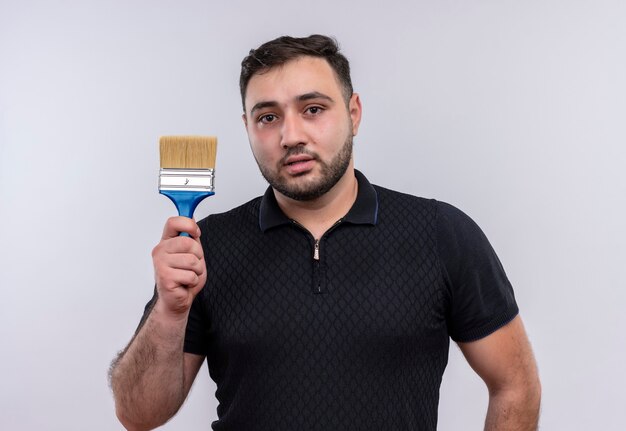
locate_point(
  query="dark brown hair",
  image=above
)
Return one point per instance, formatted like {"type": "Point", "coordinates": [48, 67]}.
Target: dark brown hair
{"type": "Point", "coordinates": [285, 48]}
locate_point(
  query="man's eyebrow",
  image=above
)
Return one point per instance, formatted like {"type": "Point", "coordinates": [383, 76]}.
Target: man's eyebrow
{"type": "Point", "coordinates": [314, 95]}
{"type": "Point", "coordinates": [261, 105]}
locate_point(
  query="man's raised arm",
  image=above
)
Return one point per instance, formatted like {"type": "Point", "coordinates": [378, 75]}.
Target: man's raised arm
{"type": "Point", "coordinates": [152, 376]}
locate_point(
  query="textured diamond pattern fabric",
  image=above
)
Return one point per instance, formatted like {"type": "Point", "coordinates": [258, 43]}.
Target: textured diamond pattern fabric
{"type": "Point", "coordinates": [355, 341]}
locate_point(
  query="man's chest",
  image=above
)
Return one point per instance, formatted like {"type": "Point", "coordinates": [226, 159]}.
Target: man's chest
{"type": "Point", "coordinates": [351, 292]}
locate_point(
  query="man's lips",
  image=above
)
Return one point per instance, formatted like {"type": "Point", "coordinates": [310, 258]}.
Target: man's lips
{"type": "Point", "coordinates": [299, 164]}
{"type": "Point", "coordinates": [300, 158]}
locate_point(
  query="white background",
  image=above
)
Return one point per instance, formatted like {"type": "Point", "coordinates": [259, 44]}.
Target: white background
{"type": "Point", "coordinates": [512, 110]}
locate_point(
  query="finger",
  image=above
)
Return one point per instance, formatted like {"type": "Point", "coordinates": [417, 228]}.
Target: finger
{"type": "Point", "coordinates": [175, 225]}
{"type": "Point", "coordinates": [182, 244]}
{"type": "Point", "coordinates": [172, 278]}
{"type": "Point", "coordinates": [189, 262]}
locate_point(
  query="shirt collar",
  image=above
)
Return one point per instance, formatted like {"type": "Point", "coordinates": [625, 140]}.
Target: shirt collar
{"type": "Point", "coordinates": [363, 211]}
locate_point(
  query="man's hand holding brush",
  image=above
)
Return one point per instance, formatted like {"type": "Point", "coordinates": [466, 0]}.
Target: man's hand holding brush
{"type": "Point", "coordinates": [179, 268]}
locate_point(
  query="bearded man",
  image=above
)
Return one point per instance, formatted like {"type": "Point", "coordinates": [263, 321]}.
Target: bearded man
{"type": "Point", "coordinates": [329, 302]}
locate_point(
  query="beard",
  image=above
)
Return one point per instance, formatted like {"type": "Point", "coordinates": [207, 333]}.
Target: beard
{"type": "Point", "coordinates": [330, 173]}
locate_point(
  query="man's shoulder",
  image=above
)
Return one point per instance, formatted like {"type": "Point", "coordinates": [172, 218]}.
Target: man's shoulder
{"type": "Point", "coordinates": [240, 215]}
{"type": "Point", "coordinates": [395, 198]}
{"type": "Point", "coordinates": [405, 204]}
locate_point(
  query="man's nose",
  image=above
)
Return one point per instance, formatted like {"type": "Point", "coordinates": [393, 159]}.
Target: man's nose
{"type": "Point", "coordinates": [293, 133]}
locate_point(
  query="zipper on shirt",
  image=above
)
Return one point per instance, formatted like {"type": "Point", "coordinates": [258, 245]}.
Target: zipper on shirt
{"type": "Point", "coordinates": [317, 276]}
{"type": "Point", "coordinates": [316, 246]}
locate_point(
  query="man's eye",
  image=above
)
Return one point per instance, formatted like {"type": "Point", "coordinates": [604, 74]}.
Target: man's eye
{"type": "Point", "coordinates": [268, 118]}
{"type": "Point", "coordinates": [314, 110]}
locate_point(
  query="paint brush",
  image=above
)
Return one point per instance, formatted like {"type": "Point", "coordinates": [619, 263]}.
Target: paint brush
{"type": "Point", "coordinates": [187, 171]}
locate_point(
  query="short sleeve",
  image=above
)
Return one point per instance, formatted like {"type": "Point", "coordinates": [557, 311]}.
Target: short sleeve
{"type": "Point", "coordinates": [481, 296]}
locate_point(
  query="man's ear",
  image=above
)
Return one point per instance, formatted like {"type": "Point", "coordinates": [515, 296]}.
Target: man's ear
{"type": "Point", "coordinates": [355, 112]}
{"type": "Point", "coordinates": [245, 119]}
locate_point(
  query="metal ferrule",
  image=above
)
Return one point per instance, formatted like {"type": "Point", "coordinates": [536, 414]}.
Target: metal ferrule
{"type": "Point", "coordinates": [193, 180]}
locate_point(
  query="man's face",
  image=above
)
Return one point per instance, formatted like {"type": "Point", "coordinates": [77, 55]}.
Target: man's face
{"type": "Point", "coordinates": [299, 127]}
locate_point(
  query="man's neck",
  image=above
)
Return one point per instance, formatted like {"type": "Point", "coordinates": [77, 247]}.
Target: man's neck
{"type": "Point", "coordinates": [319, 215]}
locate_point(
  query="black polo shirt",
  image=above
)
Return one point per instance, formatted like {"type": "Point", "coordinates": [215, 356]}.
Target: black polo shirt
{"type": "Point", "coordinates": [348, 333]}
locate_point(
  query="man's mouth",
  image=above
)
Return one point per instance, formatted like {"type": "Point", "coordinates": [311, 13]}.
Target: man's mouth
{"type": "Point", "coordinates": [300, 158]}
{"type": "Point", "coordinates": [299, 164]}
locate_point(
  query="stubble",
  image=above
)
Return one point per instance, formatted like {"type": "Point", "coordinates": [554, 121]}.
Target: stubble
{"type": "Point", "coordinates": [331, 173]}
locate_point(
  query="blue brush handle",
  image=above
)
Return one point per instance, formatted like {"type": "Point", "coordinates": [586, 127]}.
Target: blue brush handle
{"type": "Point", "coordinates": [186, 201]}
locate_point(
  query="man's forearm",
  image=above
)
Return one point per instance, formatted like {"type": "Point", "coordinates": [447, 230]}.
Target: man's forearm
{"type": "Point", "coordinates": [514, 410]}
{"type": "Point", "coordinates": [147, 378]}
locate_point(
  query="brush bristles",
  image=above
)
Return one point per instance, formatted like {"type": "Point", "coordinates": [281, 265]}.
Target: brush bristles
{"type": "Point", "coordinates": [190, 152]}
